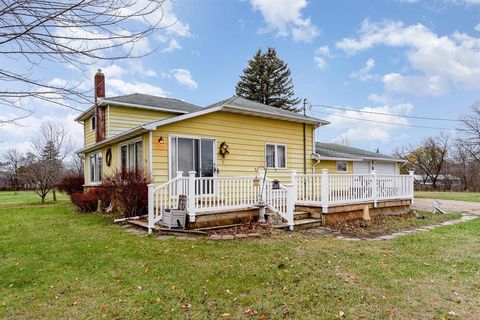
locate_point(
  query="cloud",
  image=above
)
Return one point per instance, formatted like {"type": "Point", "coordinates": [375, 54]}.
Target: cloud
{"type": "Point", "coordinates": [356, 129]}
{"type": "Point", "coordinates": [20, 136]}
{"type": "Point", "coordinates": [286, 19]}
{"type": "Point", "coordinates": [184, 77]}
{"type": "Point", "coordinates": [477, 27]}
{"type": "Point", "coordinates": [364, 73]}
{"type": "Point", "coordinates": [173, 45]}
{"type": "Point", "coordinates": [438, 62]}
{"type": "Point", "coordinates": [320, 57]}
{"type": "Point", "coordinates": [120, 87]}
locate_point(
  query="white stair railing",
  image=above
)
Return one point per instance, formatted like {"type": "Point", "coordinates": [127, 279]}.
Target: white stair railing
{"type": "Point", "coordinates": [281, 200]}
{"type": "Point", "coordinates": [164, 197]}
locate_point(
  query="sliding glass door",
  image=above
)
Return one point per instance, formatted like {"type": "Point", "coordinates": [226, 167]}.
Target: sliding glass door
{"type": "Point", "coordinates": [192, 154]}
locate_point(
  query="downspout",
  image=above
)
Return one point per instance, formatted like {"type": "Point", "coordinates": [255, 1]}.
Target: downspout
{"type": "Point", "coordinates": [317, 156]}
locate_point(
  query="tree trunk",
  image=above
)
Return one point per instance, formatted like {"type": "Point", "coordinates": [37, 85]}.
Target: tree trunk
{"type": "Point", "coordinates": [54, 195]}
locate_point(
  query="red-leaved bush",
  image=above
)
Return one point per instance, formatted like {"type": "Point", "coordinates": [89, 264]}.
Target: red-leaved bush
{"type": "Point", "coordinates": [85, 201]}
{"type": "Point", "coordinates": [128, 192]}
{"type": "Point", "coordinates": [72, 183]}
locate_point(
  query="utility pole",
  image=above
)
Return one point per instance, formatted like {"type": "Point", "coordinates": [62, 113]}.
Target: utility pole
{"type": "Point", "coordinates": [305, 101]}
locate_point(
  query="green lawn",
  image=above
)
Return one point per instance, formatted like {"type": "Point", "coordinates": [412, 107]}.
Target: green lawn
{"type": "Point", "coordinates": [55, 263]}
{"type": "Point", "coordinates": [461, 196]}
{"type": "Point", "coordinates": [9, 198]}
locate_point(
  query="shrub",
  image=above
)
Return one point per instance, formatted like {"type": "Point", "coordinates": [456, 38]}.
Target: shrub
{"type": "Point", "coordinates": [85, 201]}
{"type": "Point", "coordinates": [71, 184]}
{"type": "Point", "coordinates": [128, 192]}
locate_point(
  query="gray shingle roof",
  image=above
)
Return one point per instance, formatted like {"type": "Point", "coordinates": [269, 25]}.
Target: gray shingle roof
{"type": "Point", "coordinates": [248, 105]}
{"type": "Point", "coordinates": [334, 150]}
{"type": "Point", "coordinates": [156, 102]}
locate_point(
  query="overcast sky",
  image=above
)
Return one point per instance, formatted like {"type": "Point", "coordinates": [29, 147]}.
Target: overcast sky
{"type": "Point", "coordinates": [408, 57]}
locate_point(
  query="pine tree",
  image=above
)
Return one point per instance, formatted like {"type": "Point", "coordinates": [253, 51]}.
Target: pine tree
{"type": "Point", "coordinates": [267, 80]}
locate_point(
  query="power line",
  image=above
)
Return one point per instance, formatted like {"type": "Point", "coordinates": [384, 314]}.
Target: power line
{"type": "Point", "coordinates": [386, 114]}
{"type": "Point", "coordinates": [390, 123]}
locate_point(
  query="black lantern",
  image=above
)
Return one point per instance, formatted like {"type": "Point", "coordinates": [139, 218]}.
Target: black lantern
{"type": "Point", "coordinates": [275, 184]}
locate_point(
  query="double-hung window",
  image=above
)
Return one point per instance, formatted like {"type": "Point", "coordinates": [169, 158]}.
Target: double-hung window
{"type": "Point", "coordinates": [131, 156]}
{"type": "Point", "coordinates": [276, 155]}
{"type": "Point", "coordinates": [96, 167]}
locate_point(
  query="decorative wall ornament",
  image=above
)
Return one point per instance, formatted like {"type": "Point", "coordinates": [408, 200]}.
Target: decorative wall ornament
{"type": "Point", "coordinates": [224, 149]}
{"type": "Point", "coordinates": [108, 157]}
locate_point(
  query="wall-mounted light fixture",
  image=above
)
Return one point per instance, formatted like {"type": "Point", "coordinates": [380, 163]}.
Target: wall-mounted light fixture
{"type": "Point", "coordinates": [161, 141]}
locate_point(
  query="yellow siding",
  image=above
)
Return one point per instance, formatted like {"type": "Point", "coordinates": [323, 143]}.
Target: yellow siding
{"type": "Point", "coordinates": [331, 165]}
{"type": "Point", "coordinates": [246, 137]}
{"type": "Point", "coordinates": [122, 118]}
{"type": "Point", "coordinates": [89, 135]}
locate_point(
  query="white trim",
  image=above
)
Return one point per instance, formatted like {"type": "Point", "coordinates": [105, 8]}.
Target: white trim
{"type": "Point", "coordinates": [276, 167]}
{"type": "Point", "coordinates": [96, 174]}
{"type": "Point", "coordinates": [341, 171]}
{"type": "Point", "coordinates": [267, 114]}
{"type": "Point", "coordinates": [139, 106]}
{"type": "Point", "coordinates": [150, 154]}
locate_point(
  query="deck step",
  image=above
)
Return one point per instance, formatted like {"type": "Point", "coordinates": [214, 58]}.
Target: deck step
{"type": "Point", "coordinates": [301, 224]}
{"type": "Point", "coordinates": [300, 215]}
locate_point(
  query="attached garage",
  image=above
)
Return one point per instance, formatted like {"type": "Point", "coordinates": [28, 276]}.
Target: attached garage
{"type": "Point", "coordinates": [385, 167]}
{"type": "Point", "coordinates": [361, 167]}
{"type": "Point", "coordinates": [361, 161]}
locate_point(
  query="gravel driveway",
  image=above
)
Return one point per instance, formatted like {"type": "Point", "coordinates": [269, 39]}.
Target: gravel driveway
{"type": "Point", "coordinates": [448, 205]}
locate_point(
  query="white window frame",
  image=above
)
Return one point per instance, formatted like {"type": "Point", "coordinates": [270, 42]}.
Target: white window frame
{"type": "Point", "coordinates": [342, 171]}
{"type": "Point", "coordinates": [127, 143]}
{"type": "Point", "coordinates": [92, 121]}
{"type": "Point", "coordinates": [97, 175]}
{"type": "Point", "coordinates": [276, 155]}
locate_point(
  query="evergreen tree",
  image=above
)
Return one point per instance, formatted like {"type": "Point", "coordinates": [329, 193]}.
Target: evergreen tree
{"type": "Point", "coordinates": [267, 80]}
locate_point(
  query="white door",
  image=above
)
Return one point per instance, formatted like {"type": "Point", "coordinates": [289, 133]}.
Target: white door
{"type": "Point", "coordinates": [361, 167]}
{"type": "Point", "coordinates": [385, 167]}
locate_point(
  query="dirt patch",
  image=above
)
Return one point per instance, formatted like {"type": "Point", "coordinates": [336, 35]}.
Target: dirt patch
{"type": "Point", "coordinates": [381, 225]}
{"type": "Point", "coordinates": [246, 228]}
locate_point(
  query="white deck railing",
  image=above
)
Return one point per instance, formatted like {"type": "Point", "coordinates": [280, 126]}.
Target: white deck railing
{"type": "Point", "coordinates": [210, 194]}
{"type": "Point", "coordinates": [333, 189]}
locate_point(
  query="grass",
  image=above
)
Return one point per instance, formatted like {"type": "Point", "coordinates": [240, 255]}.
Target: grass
{"type": "Point", "coordinates": [460, 196]}
{"type": "Point", "coordinates": [9, 198]}
{"type": "Point", "coordinates": [57, 264]}
{"type": "Point", "coordinates": [381, 225]}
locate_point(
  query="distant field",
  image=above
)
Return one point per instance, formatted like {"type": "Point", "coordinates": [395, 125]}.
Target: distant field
{"type": "Point", "coordinates": [26, 197]}
{"type": "Point", "coordinates": [460, 196]}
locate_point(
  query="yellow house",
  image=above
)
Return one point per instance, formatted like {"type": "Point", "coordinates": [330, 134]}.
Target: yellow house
{"type": "Point", "coordinates": [233, 156]}
{"type": "Point", "coordinates": [230, 138]}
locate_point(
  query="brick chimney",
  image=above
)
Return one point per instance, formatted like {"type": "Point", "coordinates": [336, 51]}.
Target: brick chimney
{"type": "Point", "coordinates": [99, 88]}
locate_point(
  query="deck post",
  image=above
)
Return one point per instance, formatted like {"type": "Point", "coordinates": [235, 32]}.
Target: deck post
{"type": "Point", "coordinates": [178, 183]}
{"type": "Point", "coordinates": [294, 184]}
{"type": "Point", "coordinates": [324, 191]}
{"type": "Point", "coordinates": [290, 205]}
{"type": "Point", "coordinates": [151, 224]}
{"type": "Point", "coordinates": [412, 185]}
{"type": "Point", "coordinates": [191, 196]}
{"type": "Point", "coordinates": [374, 188]}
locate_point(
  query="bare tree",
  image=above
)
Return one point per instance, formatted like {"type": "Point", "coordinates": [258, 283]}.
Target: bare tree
{"type": "Point", "coordinates": [429, 158]}
{"type": "Point", "coordinates": [38, 33]}
{"type": "Point", "coordinates": [470, 133]}
{"type": "Point", "coordinates": [14, 160]}
{"type": "Point", "coordinates": [52, 147]}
